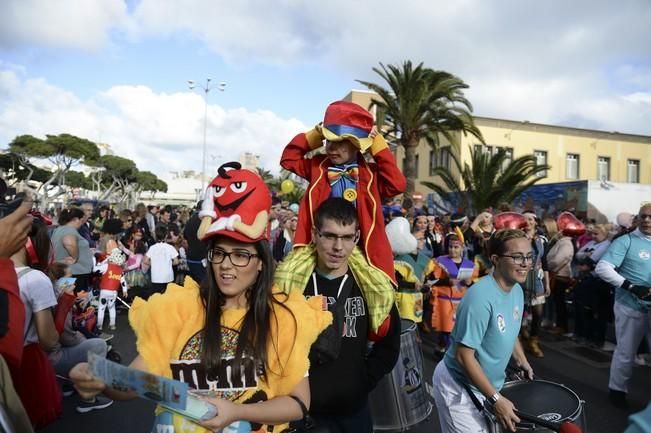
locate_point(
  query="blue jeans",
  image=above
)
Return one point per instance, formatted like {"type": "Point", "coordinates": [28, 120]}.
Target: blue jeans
{"type": "Point", "coordinates": [73, 355]}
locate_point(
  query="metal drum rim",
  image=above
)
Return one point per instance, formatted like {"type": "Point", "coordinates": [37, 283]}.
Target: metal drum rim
{"type": "Point", "coordinates": [580, 402]}
{"type": "Point", "coordinates": [410, 328]}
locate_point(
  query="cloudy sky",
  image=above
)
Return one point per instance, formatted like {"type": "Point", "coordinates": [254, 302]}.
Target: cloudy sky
{"type": "Point", "coordinates": [116, 71]}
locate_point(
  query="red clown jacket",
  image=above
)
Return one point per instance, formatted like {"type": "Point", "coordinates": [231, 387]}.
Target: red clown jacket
{"type": "Point", "coordinates": [376, 180]}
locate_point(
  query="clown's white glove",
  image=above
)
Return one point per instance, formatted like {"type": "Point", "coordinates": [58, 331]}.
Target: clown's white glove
{"type": "Point", "coordinates": [231, 222]}
{"type": "Point", "coordinates": [208, 205]}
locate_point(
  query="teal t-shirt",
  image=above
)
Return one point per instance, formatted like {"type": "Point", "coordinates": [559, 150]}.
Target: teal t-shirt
{"type": "Point", "coordinates": [631, 256]}
{"type": "Point", "coordinates": [488, 321]}
{"type": "Point", "coordinates": [640, 422]}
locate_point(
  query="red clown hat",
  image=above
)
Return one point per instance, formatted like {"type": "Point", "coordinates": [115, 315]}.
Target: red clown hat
{"type": "Point", "coordinates": [345, 120]}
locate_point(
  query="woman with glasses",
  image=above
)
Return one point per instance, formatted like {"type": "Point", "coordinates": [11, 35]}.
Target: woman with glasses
{"type": "Point", "coordinates": [484, 338]}
{"type": "Point", "coordinates": [232, 338]}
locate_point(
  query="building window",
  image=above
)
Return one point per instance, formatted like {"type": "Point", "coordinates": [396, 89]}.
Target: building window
{"type": "Point", "coordinates": [603, 168]}
{"type": "Point", "coordinates": [438, 158]}
{"type": "Point", "coordinates": [541, 159]}
{"type": "Point", "coordinates": [572, 166]}
{"type": "Point", "coordinates": [509, 156]}
{"type": "Point", "coordinates": [633, 171]}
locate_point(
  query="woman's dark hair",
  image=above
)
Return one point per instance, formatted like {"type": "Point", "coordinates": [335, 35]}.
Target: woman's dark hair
{"type": "Point", "coordinates": [112, 226]}
{"type": "Point", "coordinates": [68, 215]}
{"type": "Point", "coordinates": [40, 258]}
{"type": "Point", "coordinates": [139, 247]}
{"type": "Point", "coordinates": [253, 340]}
{"type": "Point", "coordinates": [57, 270]}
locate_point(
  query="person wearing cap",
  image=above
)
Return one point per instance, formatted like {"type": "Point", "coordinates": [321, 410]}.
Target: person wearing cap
{"type": "Point", "coordinates": [626, 265]}
{"type": "Point", "coordinates": [453, 274]}
{"type": "Point", "coordinates": [342, 171]}
{"type": "Point", "coordinates": [234, 339]}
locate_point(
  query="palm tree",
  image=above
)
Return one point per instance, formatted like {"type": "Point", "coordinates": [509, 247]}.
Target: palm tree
{"type": "Point", "coordinates": [489, 180]}
{"type": "Point", "coordinates": [420, 104]}
{"type": "Point", "coordinates": [268, 178]}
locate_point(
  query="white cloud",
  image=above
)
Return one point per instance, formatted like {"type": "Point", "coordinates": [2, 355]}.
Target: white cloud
{"type": "Point", "coordinates": [549, 62]}
{"type": "Point", "coordinates": [159, 132]}
{"type": "Point", "coordinates": [61, 23]}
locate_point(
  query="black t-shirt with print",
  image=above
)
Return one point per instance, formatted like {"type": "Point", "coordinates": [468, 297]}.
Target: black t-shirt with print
{"type": "Point", "coordinates": [341, 387]}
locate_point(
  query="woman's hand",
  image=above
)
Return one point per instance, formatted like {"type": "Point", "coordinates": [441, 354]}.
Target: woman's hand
{"type": "Point", "coordinates": [85, 383]}
{"type": "Point", "coordinates": [227, 413]}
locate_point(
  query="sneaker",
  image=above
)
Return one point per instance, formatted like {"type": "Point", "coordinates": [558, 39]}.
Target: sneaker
{"type": "Point", "coordinates": [618, 399]}
{"type": "Point", "coordinates": [98, 403]}
{"type": "Point", "coordinates": [112, 327]}
{"type": "Point", "coordinates": [67, 389]}
{"type": "Point", "coordinates": [642, 360]}
{"type": "Point", "coordinates": [608, 347]}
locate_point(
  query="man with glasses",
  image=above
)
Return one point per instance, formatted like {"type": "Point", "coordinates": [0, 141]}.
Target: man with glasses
{"type": "Point", "coordinates": [484, 338]}
{"type": "Point", "coordinates": [627, 266]}
{"type": "Point", "coordinates": [342, 371]}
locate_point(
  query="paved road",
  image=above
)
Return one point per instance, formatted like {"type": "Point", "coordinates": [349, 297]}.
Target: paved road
{"type": "Point", "coordinates": [582, 370]}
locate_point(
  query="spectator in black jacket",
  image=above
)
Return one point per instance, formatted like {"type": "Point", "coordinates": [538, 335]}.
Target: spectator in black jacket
{"type": "Point", "coordinates": [196, 253]}
{"type": "Point", "coordinates": [340, 386]}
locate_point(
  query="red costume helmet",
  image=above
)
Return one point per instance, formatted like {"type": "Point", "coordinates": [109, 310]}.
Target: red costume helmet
{"type": "Point", "coordinates": [509, 220]}
{"type": "Point", "coordinates": [570, 225]}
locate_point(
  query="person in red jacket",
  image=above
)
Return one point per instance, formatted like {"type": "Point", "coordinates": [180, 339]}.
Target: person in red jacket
{"type": "Point", "coordinates": [343, 171]}
{"type": "Point", "coordinates": [14, 229]}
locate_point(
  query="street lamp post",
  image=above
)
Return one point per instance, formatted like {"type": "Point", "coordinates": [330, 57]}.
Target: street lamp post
{"type": "Point", "coordinates": [207, 88]}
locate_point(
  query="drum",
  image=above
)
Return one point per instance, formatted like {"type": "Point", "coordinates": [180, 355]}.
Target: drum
{"type": "Point", "coordinates": [547, 400]}
{"type": "Point", "coordinates": [400, 401]}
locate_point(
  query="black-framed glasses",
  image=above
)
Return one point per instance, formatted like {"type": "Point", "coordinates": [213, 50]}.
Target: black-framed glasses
{"type": "Point", "coordinates": [237, 258]}
{"type": "Point", "coordinates": [331, 237]}
{"type": "Point", "coordinates": [519, 259]}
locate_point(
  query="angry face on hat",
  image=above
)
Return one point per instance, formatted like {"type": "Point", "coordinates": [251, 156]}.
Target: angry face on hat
{"type": "Point", "coordinates": [236, 200]}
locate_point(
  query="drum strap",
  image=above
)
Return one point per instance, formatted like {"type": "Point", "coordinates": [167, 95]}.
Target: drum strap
{"type": "Point", "coordinates": [474, 398]}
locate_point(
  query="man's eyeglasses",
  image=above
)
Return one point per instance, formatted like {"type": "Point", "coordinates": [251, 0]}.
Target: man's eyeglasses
{"type": "Point", "coordinates": [237, 258]}
{"type": "Point", "coordinates": [331, 237]}
{"type": "Point", "coordinates": [644, 216]}
{"type": "Point", "coordinates": [519, 259]}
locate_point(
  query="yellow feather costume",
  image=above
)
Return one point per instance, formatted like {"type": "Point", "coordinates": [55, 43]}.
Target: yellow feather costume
{"type": "Point", "coordinates": [168, 329]}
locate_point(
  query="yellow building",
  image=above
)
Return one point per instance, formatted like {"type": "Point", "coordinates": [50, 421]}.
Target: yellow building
{"type": "Point", "coordinates": [572, 153]}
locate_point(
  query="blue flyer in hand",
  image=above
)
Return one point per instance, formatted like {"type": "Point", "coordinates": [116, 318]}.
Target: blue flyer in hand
{"type": "Point", "coordinates": [169, 392]}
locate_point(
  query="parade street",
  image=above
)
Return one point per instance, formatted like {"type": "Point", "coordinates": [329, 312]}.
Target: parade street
{"type": "Point", "coordinates": [583, 370]}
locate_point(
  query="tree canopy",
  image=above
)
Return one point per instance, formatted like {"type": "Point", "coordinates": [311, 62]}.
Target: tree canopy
{"type": "Point", "coordinates": [109, 173]}
{"type": "Point", "coordinates": [489, 179]}
{"type": "Point", "coordinates": [417, 104]}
